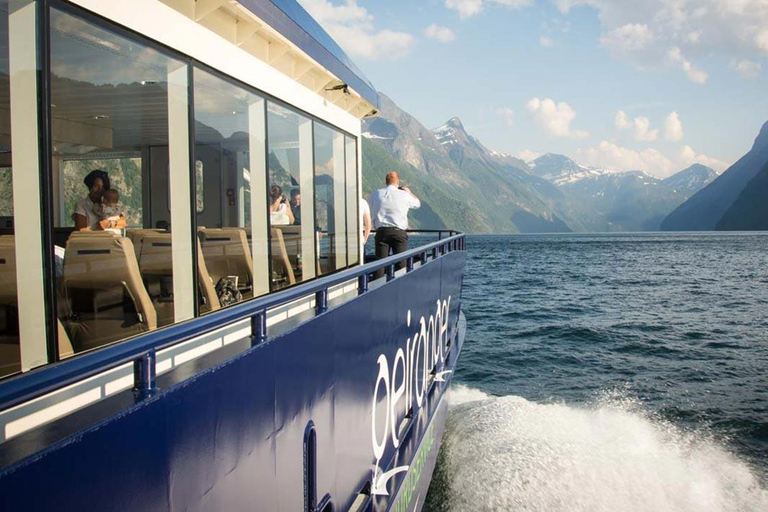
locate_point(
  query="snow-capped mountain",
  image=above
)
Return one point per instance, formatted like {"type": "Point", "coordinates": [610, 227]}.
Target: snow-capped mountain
{"type": "Point", "coordinates": [467, 186]}
{"type": "Point", "coordinates": [560, 169]}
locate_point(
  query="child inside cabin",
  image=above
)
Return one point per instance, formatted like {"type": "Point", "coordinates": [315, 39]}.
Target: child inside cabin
{"type": "Point", "coordinates": [110, 209]}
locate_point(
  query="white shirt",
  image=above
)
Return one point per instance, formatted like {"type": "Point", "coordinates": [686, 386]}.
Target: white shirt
{"type": "Point", "coordinates": [389, 207]}
{"type": "Point", "coordinates": [364, 210]}
{"type": "Point", "coordinates": [84, 207]}
{"type": "Point", "coordinates": [280, 217]}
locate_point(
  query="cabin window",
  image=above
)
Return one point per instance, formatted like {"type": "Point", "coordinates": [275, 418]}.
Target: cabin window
{"type": "Point", "coordinates": [354, 221]}
{"type": "Point", "coordinates": [289, 194]}
{"type": "Point", "coordinates": [229, 137]}
{"type": "Point", "coordinates": [330, 193]}
{"type": "Point", "coordinates": [118, 107]}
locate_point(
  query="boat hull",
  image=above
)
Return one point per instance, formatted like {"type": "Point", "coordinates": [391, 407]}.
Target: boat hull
{"type": "Point", "coordinates": [231, 433]}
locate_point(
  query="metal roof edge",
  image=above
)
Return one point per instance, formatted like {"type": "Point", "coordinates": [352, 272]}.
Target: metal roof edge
{"type": "Point", "coordinates": [292, 21]}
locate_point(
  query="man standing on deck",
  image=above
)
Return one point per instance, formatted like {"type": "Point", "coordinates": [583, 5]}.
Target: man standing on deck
{"type": "Point", "coordinates": [389, 212]}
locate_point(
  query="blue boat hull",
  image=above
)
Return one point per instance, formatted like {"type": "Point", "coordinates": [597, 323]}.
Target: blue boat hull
{"type": "Point", "coordinates": [368, 377]}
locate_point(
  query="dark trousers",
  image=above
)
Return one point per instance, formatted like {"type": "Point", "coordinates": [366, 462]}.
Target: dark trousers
{"type": "Point", "coordinates": [390, 238]}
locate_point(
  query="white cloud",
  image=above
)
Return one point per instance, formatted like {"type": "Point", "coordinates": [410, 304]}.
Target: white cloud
{"type": "Point", "coordinates": [747, 68]}
{"type": "Point", "coordinates": [641, 126]}
{"type": "Point", "coordinates": [554, 118]}
{"type": "Point", "coordinates": [465, 8]}
{"type": "Point", "coordinates": [611, 156]}
{"type": "Point", "coordinates": [469, 8]}
{"type": "Point", "coordinates": [527, 155]}
{"type": "Point", "coordinates": [687, 157]}
{"type": "Point", "coordinates": [628, 38]}
{"type": "Point", "coordinates": [508, 115]}
{"type": "Point", "coordinates": [673, 127]}
{"type": "Point", "coordinates": [622, 121]}
{"type": "Point", "coordinates": [643, 130]}
{"type": "Point", "coordinates": [438, 33]}
{"type": "Point", "coordinates": [353, 28]}
{"type": "Point", "coordinates": [676, 57]}
{"type": "Point", "coordinates": [682, 33]}
{"type": "Point", "coordinates": [546, 42]}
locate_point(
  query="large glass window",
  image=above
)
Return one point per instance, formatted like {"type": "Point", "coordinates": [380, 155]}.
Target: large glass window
{"type": "Point", "coordinates": [120, 158]}
{"type": "Point", "coordinates": [330, 208]}
{"type": "Point", "coordinates": [292, 232]}
{"type": "Point", "coordinates": [229, 145]}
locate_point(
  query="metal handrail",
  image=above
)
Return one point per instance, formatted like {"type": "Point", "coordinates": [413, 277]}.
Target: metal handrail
{"type": "Point", "coordinates": [141, 351]}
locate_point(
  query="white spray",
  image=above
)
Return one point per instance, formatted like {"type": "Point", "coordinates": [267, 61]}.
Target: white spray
{"type": "Point", "coordinates": [511, 454]}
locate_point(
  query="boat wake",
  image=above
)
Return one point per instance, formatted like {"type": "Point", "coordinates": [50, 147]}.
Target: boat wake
{"type": "Point", "coordinates": [507, 453]}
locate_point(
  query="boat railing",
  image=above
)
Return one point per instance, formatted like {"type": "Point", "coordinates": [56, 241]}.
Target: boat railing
{"type": "Point", "coordinates": [142, 350]}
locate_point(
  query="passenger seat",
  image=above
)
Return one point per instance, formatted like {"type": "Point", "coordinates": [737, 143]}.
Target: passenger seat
{"type": "Point", "coordinates": [104, 291]}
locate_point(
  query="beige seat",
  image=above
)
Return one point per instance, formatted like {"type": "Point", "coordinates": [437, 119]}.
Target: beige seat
{"type": "Point", "coordinates": [103, 288]}
{"type": "Point", "coordinates": [283, 263]}
{"type": "Point", "coordinates": [210, 301]}
{"type": "Point", "coordinates": [10, 357]}
{"type": "Point", "coordinates": [226, 253]}
{"type": "Point", "coordinates": [10, 352]}
{"type": "Point", "coordinates": [137, 235]}
{"type": "Point", "coordinates": [156, 267]}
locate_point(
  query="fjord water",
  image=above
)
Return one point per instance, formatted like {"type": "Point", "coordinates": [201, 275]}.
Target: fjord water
{"type": "Point", "coordinates": [610, 372]}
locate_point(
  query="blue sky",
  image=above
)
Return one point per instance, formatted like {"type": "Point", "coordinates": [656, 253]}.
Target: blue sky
{"type": "Point", "coordinates": [653, 85]}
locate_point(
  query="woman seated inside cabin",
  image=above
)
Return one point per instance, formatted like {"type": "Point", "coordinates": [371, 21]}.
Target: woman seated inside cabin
{"type": "Point", "coordinates": [88, 210]}
{"type": "Point", "coordinates": [279, 212]}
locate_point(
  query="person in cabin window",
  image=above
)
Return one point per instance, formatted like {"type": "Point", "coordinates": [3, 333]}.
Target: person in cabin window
{"type": "Point", "coordinates": [296, 205]}
{"type": "Point", "coordinates": [110, 209]}
{"type": "Point", "coordinates": [365, 219]}
{"type": "Point", "coordinates": [84, 216]}
{"type": "Point", "coordinates": [279, 212]}
{"type": "Point", "coordinates": [389, 212]}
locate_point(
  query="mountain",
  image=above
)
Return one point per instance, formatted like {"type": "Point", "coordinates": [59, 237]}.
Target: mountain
{"type": "Point", "coordinates": [463, 184]}
{"type": "Point", "coordinates": [705, 208]}
{"type": "Point", "coordinates": [749, 212]}
{"type": "Point", "coordinates": [605, 200]}
{"type": "Point", "coordinates": [559, 169]}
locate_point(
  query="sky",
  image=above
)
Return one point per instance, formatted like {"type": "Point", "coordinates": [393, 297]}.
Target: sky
{"type": "Point", "coordinates": [651, 85]}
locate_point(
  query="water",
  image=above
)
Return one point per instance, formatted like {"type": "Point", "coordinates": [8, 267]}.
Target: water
{"type": "Point", "coordinates": [610, 372]}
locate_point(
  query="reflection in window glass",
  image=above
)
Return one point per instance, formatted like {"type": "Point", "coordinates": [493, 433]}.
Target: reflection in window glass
{"type": "Point", "coordinates": [291, 208]}
{"type": "Point", "coordinates": [111, 103]}
{"type": "Point", "coordinates": [199, 181]}
{"type": "Point", "coordinates": [354, 221]}
{"type": "Point", "coordinates": [225, 117]}
{"type": "Point", "coordinates": [124, 175]}
{"type": "Point", "coordinates": [330, 210]}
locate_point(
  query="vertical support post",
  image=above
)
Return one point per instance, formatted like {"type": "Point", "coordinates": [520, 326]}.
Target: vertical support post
{"type": "Point", "coordinates": [321, 301]}
{"type": "Point", "coordinates": [259, 328]}
{"type": "Point", "coordinates": [362, 284]}
{"type": "Point", "coordinates": [390, 272]}
{"type": "Point", "coordinates": [181, 199]}
{"type": "Point", "coordinates": [434, 253]}
{"type": "Point", "coordinates": [423, 258]}
{"type": "Point", "coordinates": [145, 375]}
{"type": "Point", "coordinates": [409, 264]}
{"type": "Point", "coordinates": [27, 219]}
{"type": "Point", "coordinates": [257, 146]}
{"type": "Point", "coordinates": [339, 206]}
{"type": "Point", "coordinates": [306, 184]}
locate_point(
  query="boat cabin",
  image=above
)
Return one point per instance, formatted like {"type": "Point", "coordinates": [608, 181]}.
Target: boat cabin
{"type": "Point", "coordinates": [233, 148]}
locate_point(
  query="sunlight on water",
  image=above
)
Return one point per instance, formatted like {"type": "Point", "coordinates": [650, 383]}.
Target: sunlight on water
{"type": "Point", "coordinates": [506, 453]}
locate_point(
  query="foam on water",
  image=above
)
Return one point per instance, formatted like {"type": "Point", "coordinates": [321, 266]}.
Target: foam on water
{"type": "Point", "coordinates": [507, 453]}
